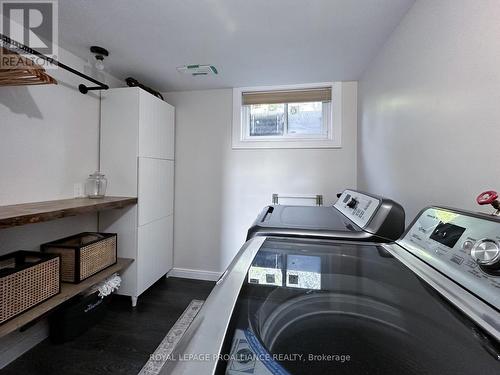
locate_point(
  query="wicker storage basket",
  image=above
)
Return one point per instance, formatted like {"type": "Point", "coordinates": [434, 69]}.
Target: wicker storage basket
{"type": "Point", "coordinates": [84, 254]}
{"type": "Point", "coordinates": [27, 278]}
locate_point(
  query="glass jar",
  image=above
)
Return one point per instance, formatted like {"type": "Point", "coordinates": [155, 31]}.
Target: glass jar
{"type": "Point", "coordinates": [96, 185]}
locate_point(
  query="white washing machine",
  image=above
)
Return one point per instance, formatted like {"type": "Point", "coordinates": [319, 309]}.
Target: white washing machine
{"type": "Point", "coordinates": [427, 304]}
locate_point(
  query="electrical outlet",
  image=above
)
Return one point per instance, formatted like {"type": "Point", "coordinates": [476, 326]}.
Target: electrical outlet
{"type": "Point", "coordinates": [78, 190]}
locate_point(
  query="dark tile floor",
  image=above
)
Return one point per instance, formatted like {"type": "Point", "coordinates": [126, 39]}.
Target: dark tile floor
{"type": "Point", "coordinates": [122, 342]}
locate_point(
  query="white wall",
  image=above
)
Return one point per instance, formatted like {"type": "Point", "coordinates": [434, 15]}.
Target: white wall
{"type": "Point", "coordinates": [429, 104]}
{"type": "Point", "coordinates": [48, 142]}
{"type": "Point", "coordinates": [219, 191]}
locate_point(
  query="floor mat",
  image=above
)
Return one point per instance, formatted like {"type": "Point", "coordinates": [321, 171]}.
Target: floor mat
{"type": "Point", "coordinates": [159, 357]}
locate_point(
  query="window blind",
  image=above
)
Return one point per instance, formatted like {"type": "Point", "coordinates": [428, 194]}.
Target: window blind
{"type": "Point", "coordinates": [323, 94]}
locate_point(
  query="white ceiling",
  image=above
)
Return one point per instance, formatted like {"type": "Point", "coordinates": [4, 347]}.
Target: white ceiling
{"type": "Point", "coordinates": [251, 42]}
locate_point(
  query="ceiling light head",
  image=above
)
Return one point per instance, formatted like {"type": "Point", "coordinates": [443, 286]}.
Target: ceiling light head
{"type": "Point", "coordinates": [99, 54]}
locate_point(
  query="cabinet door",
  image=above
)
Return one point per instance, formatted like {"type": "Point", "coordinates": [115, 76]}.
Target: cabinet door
{"type": "Point", "coordinates": [169, 115]}
{"type": "Point", "coordinates": [156, 189]}
{"type": "Point", "coordinates": [156, 128]}
{"type": "Point", "coordinates": [154, 252]}
{"type": "Point", "coordinates": [119, 145]}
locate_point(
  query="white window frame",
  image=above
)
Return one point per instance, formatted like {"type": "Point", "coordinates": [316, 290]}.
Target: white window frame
{"type": "Point", "coordinates": [333, 119]}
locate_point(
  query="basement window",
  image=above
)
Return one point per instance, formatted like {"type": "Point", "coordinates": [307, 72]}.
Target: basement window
{"type": "Point", "coordinates": [286, 117]}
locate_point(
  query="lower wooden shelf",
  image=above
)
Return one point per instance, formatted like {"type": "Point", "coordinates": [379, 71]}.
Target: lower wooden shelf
{"type": "Point", "coordinates": [67, 291]}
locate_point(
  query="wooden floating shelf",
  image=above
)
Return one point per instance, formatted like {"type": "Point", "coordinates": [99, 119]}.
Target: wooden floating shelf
{"type": "Point", "coordinates": [30, 213]}
{"type": "Point", "coordinates": [67, 291]}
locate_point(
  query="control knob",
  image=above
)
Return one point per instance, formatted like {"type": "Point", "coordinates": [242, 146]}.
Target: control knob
{"type": "Point", "coordinates": [352, 203]}
{"type": "Point", "coordinates": [486, 253]}
{"type": "Point", "coordinates": [489, 197]}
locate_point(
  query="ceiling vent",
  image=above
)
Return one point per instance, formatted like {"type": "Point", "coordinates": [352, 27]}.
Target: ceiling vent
{"type": "Point", "coordinates": [198, 70]}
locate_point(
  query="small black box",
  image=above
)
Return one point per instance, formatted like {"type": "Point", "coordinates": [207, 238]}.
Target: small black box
{"type": "Point", "coordinates": [76, 317]}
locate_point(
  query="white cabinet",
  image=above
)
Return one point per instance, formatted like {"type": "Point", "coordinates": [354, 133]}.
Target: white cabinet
{"type": "Point", "coordinates": [137, 156]}
{"type": "Point", "coordinates": [156, 136]}
{"type": "Point", "coordinates": [156, 189]}
{"type": "Point", "coordinates": [155, 262]}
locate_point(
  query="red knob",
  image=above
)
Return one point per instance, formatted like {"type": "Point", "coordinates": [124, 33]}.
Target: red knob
{"type": "Point", "coordinates": [487, 197]}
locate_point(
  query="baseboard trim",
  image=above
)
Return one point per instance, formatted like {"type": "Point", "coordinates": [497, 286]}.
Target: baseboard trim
{"type": "Point", "coordinates": [187, 273]}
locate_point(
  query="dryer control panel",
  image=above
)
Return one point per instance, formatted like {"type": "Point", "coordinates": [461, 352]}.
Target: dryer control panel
{"type": "Point", "coordinates": [463, 246]}
{"type": "Point", "coordinates": [358, 207]}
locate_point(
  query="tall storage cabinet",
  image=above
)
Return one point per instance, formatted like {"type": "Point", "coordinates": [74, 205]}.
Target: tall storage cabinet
{"type": "Point", "coordinates": [137, 156]}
